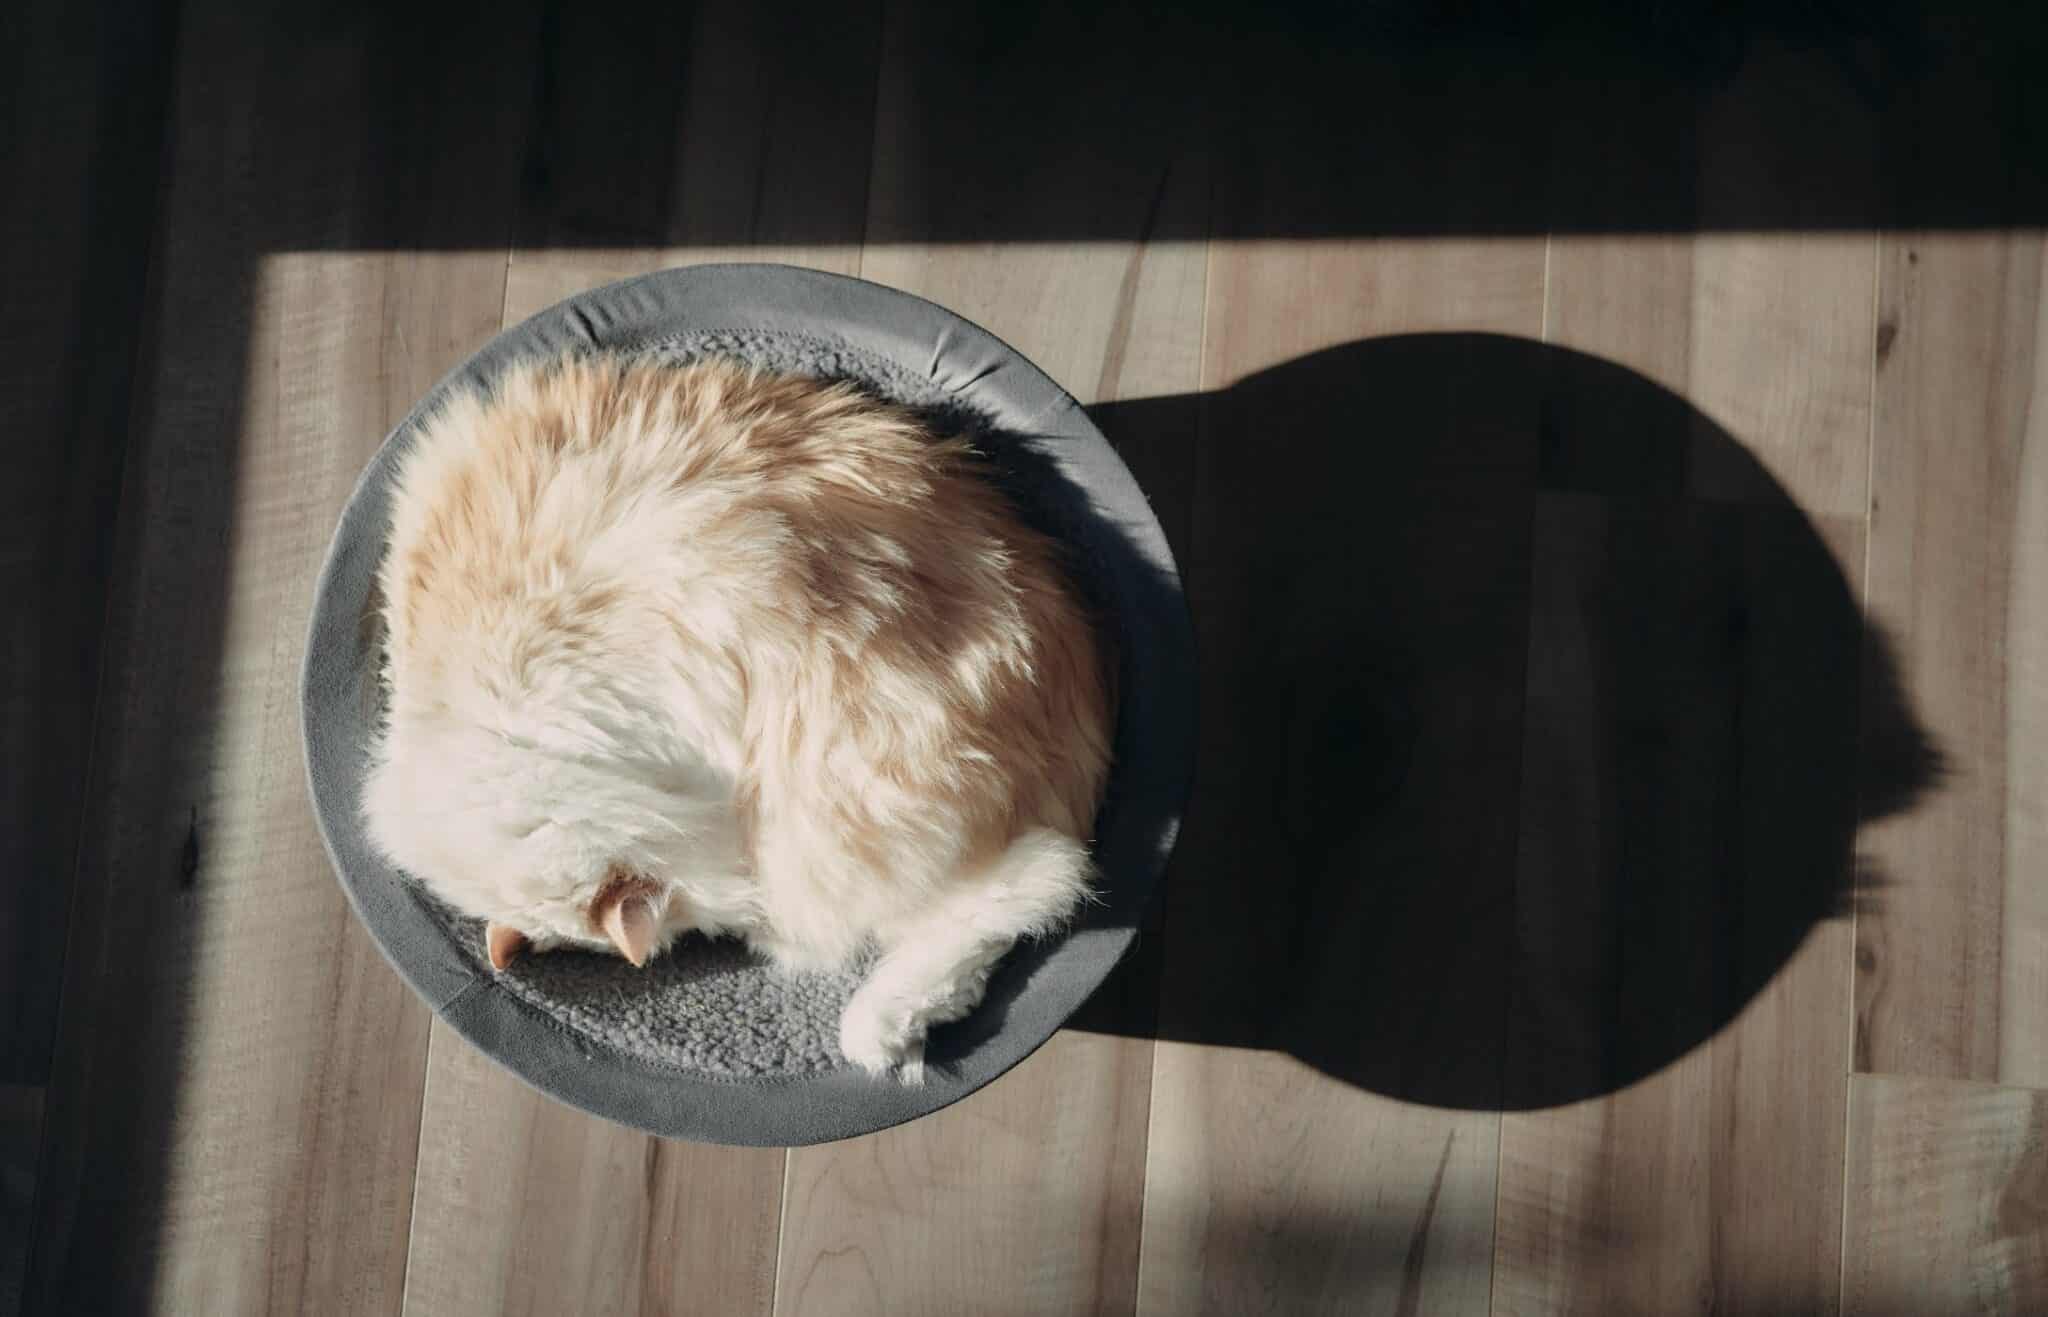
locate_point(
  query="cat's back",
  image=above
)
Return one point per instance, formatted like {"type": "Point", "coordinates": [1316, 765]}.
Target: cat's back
{"type": "Point", "coordinates": [763, 558]}
{"type": "Point", "coordinates": [592, 482]}
{"type": "Point", "coordinates": [561, 494]}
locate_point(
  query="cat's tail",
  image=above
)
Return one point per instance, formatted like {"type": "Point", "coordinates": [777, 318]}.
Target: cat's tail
{"type": "Point", "coordinates": [935, 967]}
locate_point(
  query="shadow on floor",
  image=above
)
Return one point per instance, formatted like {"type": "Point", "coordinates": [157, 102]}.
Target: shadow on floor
{"type": "Point", "coordinates": [1532, 729]}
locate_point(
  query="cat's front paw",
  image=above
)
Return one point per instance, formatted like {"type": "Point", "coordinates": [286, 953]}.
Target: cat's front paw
{"type": "Point", "coordinates": [881, 1035]}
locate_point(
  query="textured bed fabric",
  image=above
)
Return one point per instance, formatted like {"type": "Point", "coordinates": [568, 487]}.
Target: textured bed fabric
{"type": "Point", "coordinates": [706, 1044]}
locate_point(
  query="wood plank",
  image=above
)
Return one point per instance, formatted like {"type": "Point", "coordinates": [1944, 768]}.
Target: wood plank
{"type": "Point", "coordinates": [777, 135]}
{"type": "Point", "coordinates": [524, 1204]}
{"type": "Point", "coordinates": [1323, 1136]}
{"type": "Point", "coordinates": [1684, 866]}
{"type": "Point", "coordinates": [21, 1128]}
{"type": "Point", "coordinates": [81, 132]}
{"type": "Point", "coordinates": [1681, 310]}
{"type": "Point", "coordinates": [1951, 956]}
{"type": "Point", "coordinates": [1953, 946]}
{"type": "Point", "coordinates": [1692, 754]}
{"type": "Point", "coordinates": [1946, 1188]}
{"type": "Point", "coordinates": [2023, 962]}
{"type": "Point", "coordinates": [1025, 1197]}
{"type": "Point", "coordinates": [233, 1115]}
{"type": "Point", "coordinates": [80, 146]}
{"type": "Point", "coordinates": [1768, 334]}
{"type": "Point", "coordinates": [766, 143]}
{"type": "Point", "coordinates": [1359, 584]}
{"type": "Point", "coordinates": [1028, 1195]}
{"type": "Point", "coordinates": [1783, 321]}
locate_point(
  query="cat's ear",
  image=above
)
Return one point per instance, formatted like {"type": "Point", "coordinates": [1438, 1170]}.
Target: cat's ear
{"type": "Point", "coordinates": [625, 911]}
{"type": "Point", "coordinates": [503, 944]}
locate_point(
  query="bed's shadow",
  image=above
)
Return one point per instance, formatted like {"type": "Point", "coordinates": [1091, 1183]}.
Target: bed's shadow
{"type": "Point", "coordinates": [1535, 718]}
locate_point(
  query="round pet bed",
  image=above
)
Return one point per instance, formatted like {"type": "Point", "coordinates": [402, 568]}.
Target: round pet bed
{"type": "Point", "coordinates": [707, 1043]}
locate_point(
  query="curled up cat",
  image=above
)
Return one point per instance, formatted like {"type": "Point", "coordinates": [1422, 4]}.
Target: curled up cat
{"type": "Point", "coordinates": [703, 648]}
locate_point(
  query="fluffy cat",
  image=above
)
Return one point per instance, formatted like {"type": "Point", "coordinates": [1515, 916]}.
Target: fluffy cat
{"type": "Point", "coordinates": [677, 648]}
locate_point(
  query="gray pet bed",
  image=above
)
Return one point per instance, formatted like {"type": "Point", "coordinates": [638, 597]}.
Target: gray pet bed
{"type": "Point", "coordinates": [705, 1043]}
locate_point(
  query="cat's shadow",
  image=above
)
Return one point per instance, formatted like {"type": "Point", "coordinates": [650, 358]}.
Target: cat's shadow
{"type": "Point", "coordinates": [1535, 717]}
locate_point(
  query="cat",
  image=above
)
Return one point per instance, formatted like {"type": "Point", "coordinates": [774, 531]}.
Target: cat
{"type": "Point", "coordinates": [707, 648]}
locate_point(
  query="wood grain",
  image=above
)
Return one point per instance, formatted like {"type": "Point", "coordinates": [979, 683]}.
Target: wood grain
{"type": "Point", "coordinates": [763, 144]}
{"type": "Point", "coordinates": [1768, 334]}
{"type": "Point", "coordinates": [1747, 328]}
{"type": "Point", "coordinates": [1683, 959]}
{"type": "Point", "coordinates": [80, 147]}
{"type": "Point", "coordinates": [1023, 1198]}
{"type": "Point", "coordinates": [81, 130]}
{"type": "Point", "coordinates": [21, 1128]}
{"type": "Point", "coordinates": [234, 1110]}
{"type": "Point", "coordinates": [1947, 1198]}
{"type": "Point", "coordinates": [1950, 959]}
{"type": "Point", "coordinates": [1344, 706]}
{"type": "Point", "coordinates": [1324, 851]}
{"type": "Point", "coordinates": [1323, 854]}
{"type": "Point", "coordinates": [2023, 965]}
{"type": "Point", "coordinates": [1685, 848]}
{"type": "Point", "coordinates": [1783, 321]}
{"type": "Point", "coordinates": [1954, 539]}
{"type": "Point", "coordinates": [524, 1204]}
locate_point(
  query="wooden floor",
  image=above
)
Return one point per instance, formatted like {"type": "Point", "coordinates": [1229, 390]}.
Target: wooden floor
{"type": "Point", "coordinates": [1612, 490]}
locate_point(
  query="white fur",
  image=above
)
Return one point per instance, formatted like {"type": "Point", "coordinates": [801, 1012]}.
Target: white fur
{"type": "Point", "coordinates": [760, 645]}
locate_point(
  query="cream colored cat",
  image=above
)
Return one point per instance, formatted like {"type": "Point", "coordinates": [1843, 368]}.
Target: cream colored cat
{"type": "Point", "coordinates": [677, 648]}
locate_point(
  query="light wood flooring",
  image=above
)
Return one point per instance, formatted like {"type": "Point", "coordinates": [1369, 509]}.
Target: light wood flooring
{"type": "Point", "coordinates": [1611, 483]}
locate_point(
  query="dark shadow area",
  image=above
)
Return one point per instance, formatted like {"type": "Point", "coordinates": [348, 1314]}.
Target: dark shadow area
{"type": "Point", "coordinates": [171, 288]}
{"type": "Point", "coordinates": [1072, 119]}
{"type": "Point", "coordinates": [1532, 729]}
{"type": "Point", "coordinates": [1060, 120]}
{"type": "Point", "coordinates": [81, 90]}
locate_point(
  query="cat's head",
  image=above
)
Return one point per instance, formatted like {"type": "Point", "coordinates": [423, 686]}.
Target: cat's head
{"type": "Point", "coordinates": [548, 849]}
